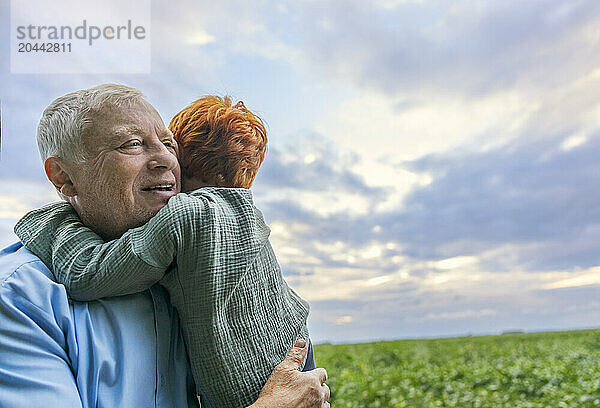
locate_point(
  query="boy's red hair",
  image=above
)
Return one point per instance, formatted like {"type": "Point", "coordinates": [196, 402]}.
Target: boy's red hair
{"type": "Point", "coordinates": [221, 144]}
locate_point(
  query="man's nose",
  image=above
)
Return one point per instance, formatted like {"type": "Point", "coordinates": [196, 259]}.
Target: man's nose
{"type": "Point", "coordinates": [162, 157]}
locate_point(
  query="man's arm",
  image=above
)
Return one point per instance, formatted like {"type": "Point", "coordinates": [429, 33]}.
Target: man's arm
{"type": "Point", "coordinates": [35, 368]}
{"type": "Point", "coordinates": [289, 388]}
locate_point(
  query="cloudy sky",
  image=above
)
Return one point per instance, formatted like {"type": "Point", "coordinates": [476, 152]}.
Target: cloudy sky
{"type": "Point", "coordinates": [433, 166]}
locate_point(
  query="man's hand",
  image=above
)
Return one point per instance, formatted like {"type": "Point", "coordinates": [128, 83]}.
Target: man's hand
{"type": "Point", "coordinates": [289, 388]}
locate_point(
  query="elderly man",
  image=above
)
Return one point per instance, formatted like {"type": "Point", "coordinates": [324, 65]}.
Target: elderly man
{"type": "Point", "coordinates": [117, 352]}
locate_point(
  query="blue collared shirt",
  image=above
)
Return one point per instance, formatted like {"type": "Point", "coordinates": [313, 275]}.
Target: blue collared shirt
{"type": "Point", "coordinates": [124, 351]}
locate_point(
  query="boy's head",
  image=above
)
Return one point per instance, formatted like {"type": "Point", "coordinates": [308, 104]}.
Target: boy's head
{"type": "Point", "coordinates": [219, 144]}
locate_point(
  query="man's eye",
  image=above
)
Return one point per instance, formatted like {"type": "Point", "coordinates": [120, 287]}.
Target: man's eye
{"type": "Point", "coordinates": [131, 143]}
{"type": "Point", "coordinates": [169, 144]}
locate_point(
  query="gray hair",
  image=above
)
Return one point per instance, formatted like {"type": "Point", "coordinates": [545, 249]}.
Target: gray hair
{"type": "Point", "coordinates": [66, 120]}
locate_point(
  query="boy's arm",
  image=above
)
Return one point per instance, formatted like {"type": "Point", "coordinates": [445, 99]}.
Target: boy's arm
{"type": "Point", "coordinates": [87, 266]}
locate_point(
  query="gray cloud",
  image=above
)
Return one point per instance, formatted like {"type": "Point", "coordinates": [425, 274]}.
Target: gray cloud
{"type": "Point", "coordinates": [460, 46]}
{"type": "Point", "coordinates": [522, 192]}
{"type": "Point", "coordinates": [433, 314]}
{"type": "Point", "coordinates": [327, 169]}
{"type": "Point", "coordinates": [529, 193]}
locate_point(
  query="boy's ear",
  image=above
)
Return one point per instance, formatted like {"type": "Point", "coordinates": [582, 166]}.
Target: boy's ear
{"type": "Point", "coordinates": [59, 176]}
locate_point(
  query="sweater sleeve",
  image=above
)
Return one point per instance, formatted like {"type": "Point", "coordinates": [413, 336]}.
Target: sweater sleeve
{"type": "Point", "coordinates": [91, 268]}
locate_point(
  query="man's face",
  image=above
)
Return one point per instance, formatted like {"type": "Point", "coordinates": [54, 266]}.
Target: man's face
{"type": "Point", "coordinates": [132, 171]}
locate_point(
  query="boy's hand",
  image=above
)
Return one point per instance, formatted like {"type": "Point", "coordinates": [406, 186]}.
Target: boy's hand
{"type": "Point", "coordinates": [289, 388]}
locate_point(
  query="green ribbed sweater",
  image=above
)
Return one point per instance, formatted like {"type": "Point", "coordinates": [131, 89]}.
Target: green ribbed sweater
{"type": "Point", "coordinates": [239, 316]}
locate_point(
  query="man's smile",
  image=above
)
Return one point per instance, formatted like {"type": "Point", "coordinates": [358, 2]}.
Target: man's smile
{"type": "Point", "coordinates": [161, 190]}
{"type": "Point", "coordinates": [160, 187]}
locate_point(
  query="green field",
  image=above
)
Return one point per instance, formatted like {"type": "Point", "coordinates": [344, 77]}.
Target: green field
{"type": "Point", "coordinates": [556, 369]}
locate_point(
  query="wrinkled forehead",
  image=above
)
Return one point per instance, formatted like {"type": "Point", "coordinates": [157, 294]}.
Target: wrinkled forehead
{"type": "Point", "coordinates": [112, 122]}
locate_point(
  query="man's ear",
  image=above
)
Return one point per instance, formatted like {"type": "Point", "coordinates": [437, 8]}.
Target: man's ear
{"type": "Point", "coordinates": [58, 175]}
